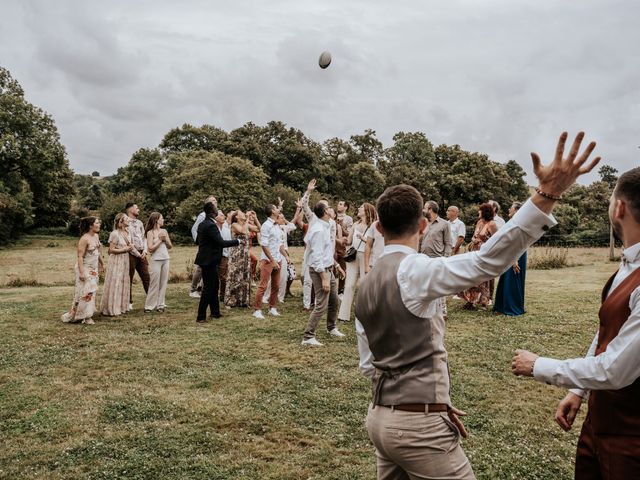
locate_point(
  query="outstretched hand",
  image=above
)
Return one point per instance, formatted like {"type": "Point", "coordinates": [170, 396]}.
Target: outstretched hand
{"type": "Point", "coordinates": [311, 186]}
{"type": "Point", "coordinates": [562, 172]}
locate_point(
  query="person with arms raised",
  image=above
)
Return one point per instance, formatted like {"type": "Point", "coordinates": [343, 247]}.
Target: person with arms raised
{"type": "Point", "coordinates": [402, 345]}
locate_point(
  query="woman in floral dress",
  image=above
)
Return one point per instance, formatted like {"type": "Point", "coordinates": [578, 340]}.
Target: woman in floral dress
{"type": "Point", "coordinates": [238, 290]}
{"type": "Point", "coordinates": [115, 299]}
{"type": "Point", "coordinates": [480, 296]}
{"type": "Point", "coordinates": [88, 262]}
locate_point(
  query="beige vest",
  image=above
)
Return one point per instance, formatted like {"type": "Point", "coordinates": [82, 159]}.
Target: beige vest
{"type": "Point", "coordinates": [408, 351]}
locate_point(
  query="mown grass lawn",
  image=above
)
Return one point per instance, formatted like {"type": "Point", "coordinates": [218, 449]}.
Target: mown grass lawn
{"type": "Point", "coordinates": [159, 397]}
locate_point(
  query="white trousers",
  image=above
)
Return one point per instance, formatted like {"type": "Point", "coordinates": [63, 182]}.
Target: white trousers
{"type": "Point", "coordinates": [158, 279]}
{"type": "Point", "coordinates": [355, 270]}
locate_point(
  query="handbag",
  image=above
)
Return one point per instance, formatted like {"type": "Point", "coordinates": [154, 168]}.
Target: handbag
{"type": "Point", "coordinates": [352, 251]}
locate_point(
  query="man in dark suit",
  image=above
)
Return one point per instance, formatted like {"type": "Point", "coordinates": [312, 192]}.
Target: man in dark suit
{"type": "Point", "coordinates": [210, 245]}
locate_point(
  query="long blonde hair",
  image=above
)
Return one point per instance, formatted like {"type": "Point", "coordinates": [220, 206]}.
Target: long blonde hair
{"type": "Point", "coordinates": [370, 214]}
{"type": "Point", "coordinates": [116, 221]}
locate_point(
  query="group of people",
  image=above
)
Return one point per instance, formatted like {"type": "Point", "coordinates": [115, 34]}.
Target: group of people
{"type": "Point", "coordinates": [133, 247]}
{"type": "Point", "coordinates": [407, 261]}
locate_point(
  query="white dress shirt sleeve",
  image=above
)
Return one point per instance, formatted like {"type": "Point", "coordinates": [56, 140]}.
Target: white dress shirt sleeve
{"type": "Point", "coordinates": [423, 279]}
{"type": "Point", "coordinates": [315, 246]}
{"type": "Point", "coordinates": [194, 229]}
{"type": "Point", "coordinates": [615, 368]}
{"type": "Point", "coordinates": [364, 352]}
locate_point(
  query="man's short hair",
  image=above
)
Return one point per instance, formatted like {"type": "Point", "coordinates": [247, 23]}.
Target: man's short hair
{"type": "Point", "coordinates": [628, 188]}
{"type": "Point", "coordinates": [128, 206]}
{"type": "Point", "coordinates": [495, 205]}
{"type": "Point", "coordinates": [210, 209]}
{"type": "Point", "coordinates": [268, 210]}
{"type": "Point", "coordinates": [399, 211]}
{"type": "Point", "coordinates": [320, 209]}
{"type": "Point", "coordinates": [346, 203]}
{"type": "Point", "coordinates": [433, 206]}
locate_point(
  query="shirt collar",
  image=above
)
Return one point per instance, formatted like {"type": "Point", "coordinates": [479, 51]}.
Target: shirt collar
{"type": "Point", "coordinates": [397, 249]}
{"type": "Point", "coordinates": [632, 253]}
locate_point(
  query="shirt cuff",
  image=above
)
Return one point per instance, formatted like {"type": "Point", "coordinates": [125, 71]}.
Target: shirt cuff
{"type": "Point", "coordinates": [544, 369]}
{"type": "Point", "coordinates": [579, 392]}
{"type": "Point", "coordinates": [533, 220]}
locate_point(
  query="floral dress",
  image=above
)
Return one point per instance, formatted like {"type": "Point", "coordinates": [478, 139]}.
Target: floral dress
{"type": "Point", "coordinates": [115, 297]}
{"type": "Point", "coordinates": [479, 295]}
{"type": "Point", "coordinates": [238, 291]}
{"type": "Point", "coordinates": [84, 298]}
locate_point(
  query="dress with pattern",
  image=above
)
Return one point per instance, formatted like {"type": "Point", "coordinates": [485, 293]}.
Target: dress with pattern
{"type": "Point", "coordinates": [84, 298]}
{"type": "Point", "coordinates": [115, 296]}
{"type": "Point", "coordinates": [238, 291]}
{"type": "Point", "coordinates": [479, 295]}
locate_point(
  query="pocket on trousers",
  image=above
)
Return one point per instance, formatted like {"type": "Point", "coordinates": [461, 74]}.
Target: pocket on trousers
{"type": "Point", "coordinates": [429, 433]}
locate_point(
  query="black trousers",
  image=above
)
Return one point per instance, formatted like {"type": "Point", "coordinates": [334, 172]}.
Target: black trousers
{"type": "Point", "coordinates": [209, 296]}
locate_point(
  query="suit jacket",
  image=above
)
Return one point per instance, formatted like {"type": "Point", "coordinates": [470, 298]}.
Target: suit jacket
{"type": "Point", "coordinates": [210, 243]}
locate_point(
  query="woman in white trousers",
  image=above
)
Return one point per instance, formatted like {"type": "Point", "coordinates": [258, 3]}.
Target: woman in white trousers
{"type": "Point", "coordinates": [159, 245]}
{"type": "Point", "coordinates": [356, 269]}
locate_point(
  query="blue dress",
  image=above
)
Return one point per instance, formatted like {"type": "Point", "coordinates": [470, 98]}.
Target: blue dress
{"type": "Point", "coordinates": [510, 291]}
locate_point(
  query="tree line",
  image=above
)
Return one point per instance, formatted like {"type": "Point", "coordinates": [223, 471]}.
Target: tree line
{"type": "Point", "coordinates": [248, 167]}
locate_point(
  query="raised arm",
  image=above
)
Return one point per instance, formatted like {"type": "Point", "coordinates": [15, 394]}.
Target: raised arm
{"type": "Point", "coordinates": [305, 201]}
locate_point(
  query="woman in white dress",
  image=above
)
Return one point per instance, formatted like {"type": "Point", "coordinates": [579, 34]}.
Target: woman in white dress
{"type": "Point", "coordinates": [159, 245]}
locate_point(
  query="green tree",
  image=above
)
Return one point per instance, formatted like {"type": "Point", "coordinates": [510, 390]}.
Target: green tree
{"type": "Point", "coordinates": [30, 150]}
{"type": "Point", "coordinates": [188, 137]}
{"type": "Point", "coordinates": [144, 176]}
{"type": "Point", "coordinates": [609, 175]}
{"type": "Point", "coordinates": [193, 175]}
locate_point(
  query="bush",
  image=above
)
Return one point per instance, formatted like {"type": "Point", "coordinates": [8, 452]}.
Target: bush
{"type": "Point", "coordinates": [548, 259]}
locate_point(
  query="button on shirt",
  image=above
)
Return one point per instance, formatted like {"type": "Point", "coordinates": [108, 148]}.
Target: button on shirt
{"type": "Point", "coordinates": [616, 367]}
{"type": "Point", "coordinates": [437, 240]}
{"type": "Point", "coordinates": [458, 229]}
{"type": "Point", "coordinates": [271, 237]}
{"type": "Point", "coordinates": [423, 279]}
{"type": "Point", "coordinates": [319, 246]}
{"type": "Point", "coordinates": [137, 235]}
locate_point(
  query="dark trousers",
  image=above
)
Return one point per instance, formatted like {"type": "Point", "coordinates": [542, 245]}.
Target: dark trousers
{"type": "Point", "coordinates": [222, 273]}
{"type": "Point", "coordinates": [606, 457]}
{"type": "Point", "coordinates": [209, 296]}
{"type": "Point", "coordinates": [341, 281]}
{"type": "Point", "coordinates": [142, 267]}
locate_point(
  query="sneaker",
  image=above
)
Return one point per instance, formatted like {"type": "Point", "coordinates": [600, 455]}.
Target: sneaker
{"type": "Point", "coordinates": [311, 342]}
{"type": "Point", "coordinates": [195, 294]}
{"type": "Point", "coordinates": [148, 310]}
{"type": "Point", "coordinates": [258, 314]}
{"type": "Point", "coordinates": [131, 306]}
{"type": "Point", "coordinates": [336, 333]}
{"type": "Point", "coordinates": [88, 321]}
{"type": "Point", "coordinates": [274, 312]}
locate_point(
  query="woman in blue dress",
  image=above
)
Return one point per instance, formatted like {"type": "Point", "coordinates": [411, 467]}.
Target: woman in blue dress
{"type": "Point", "coordinates": [510, 292]}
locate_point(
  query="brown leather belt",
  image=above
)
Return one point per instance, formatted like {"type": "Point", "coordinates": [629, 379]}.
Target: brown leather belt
{"type": "Point", "coordinates": [419, 407]}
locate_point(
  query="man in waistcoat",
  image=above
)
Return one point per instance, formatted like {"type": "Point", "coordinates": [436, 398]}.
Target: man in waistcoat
{"type": "Point", "coordinates": [609, 443]}
{"type": "Point", "coordinates": [411, 420]}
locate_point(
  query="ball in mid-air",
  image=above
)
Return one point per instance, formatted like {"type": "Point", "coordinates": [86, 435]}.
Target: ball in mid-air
{"type": "Point", "coordinates": [324, 60]}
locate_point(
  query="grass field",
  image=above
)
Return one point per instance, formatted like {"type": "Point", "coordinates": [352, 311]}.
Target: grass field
{"type": "Point", "coordinates": [159, 397]}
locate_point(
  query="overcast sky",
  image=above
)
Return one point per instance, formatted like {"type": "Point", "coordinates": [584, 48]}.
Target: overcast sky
{"type": "Point", "coordinates": [495, 76]}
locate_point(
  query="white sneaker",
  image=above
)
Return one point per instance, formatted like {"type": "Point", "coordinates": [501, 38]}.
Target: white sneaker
{"type": "Point", "coordinates": [336, 333]}
{"type": "Point", "coordinates": [130, 306]}
{"type": "Point", "coordinates": [311, 342]}
{"type": "Point", "coordinates": [258, 314]}
{"type": "Point", "coordinates": [274, 312]}
{"type": "Point", "coordinates": [195, 294]}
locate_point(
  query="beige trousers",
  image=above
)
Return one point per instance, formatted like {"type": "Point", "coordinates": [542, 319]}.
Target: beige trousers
{"type": "Point", "coordinates": [416, 446]}
{"type": "Point", "coordinates": [355, 271]}
{"type": "Point", "coordinates": [158, 279]}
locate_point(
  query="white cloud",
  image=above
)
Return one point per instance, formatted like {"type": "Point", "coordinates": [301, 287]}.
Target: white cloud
{"type": "Point", "coordinates": [495, 76]}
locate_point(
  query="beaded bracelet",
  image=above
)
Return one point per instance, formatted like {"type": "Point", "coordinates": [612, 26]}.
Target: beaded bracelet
{"type": "Point", "coordinates": [548, 195]}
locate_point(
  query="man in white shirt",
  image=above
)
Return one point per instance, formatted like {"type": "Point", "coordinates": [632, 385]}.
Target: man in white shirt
{"type": "Point", "coordinates": [196, 276]}
{"type": "Point", "coordinates": [402, 345]}
{"type": "Point", "coordinates": [610, 372]}
{"type": "Point", "coordinates": [272, 250]}
{"type": "Point", "coordinates": [458, 229]}
{"type": "Point", "coordinates": [320, 263]}
{"type": "Point", "coordinates": [496, 214]}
